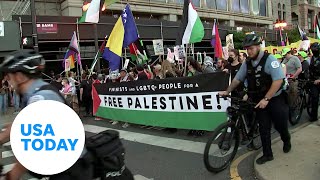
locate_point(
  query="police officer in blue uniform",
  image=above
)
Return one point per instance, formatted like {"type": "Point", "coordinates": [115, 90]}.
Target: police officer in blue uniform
{"type": "Point", "coordinates": [314, 75]}
{"type": "Point", "coordinates": [265, 77]}
{"type": "Point", "coordinates": [24, 70]}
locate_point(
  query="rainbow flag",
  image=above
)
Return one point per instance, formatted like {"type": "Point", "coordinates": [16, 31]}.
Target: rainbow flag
{"type": "Point", "coordinates": [218, 52]}
{"type": "Point", "coordinates": [72, 52]}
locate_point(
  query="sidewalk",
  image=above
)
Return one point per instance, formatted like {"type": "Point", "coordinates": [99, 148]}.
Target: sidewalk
{"type": "Point", "coordinates": [301, 163]}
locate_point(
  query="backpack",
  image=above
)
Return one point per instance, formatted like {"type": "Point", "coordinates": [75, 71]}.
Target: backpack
{"type": "Point", "coordinates": [108, 153]}
{"type": "Point", "coordinates": [104, 158]}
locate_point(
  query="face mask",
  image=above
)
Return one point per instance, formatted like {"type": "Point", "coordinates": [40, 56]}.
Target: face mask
{"type": "Point", "coordinates": [230, 59]}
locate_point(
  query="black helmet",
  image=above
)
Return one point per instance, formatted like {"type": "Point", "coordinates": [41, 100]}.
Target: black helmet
{"type": "Point", "coordinates": [251, 40]}
{"type": "Point", "coordinates": [315, 47]}
{"type": "Point", "coordinates": [25, 61]}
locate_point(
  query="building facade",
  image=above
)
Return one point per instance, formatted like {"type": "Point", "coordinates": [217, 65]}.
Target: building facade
{"type": "Point", "coordinates": [304, 12]}
{"type": "Point", "coordinates": [233, 13]}
{"type": "Point", "coordinates": [155, 19]}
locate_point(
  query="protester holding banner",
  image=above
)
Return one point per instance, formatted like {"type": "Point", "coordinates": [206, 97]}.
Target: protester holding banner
{"type": "Point", "coordinates": [157, 72]}
{"type": "Point", "coordinates": [193, 67]}
{"type": "Point", "coordinates": [264, 68]}
{"type": "Point", "coordinates": [221, 64]}
{"type": "Point", "coordinates": [232, 68]}
{"type": "Point", "coordinates": [208, 65]}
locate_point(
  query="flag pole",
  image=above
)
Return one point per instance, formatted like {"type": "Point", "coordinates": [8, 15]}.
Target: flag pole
{"type": "Point", "coordinates": [161, 29]}
{"type": "Point", "coordinates": [78, 34]}
{"type": "Point", "coordinates": [185, 61]}
{"type": "Point", "coordinates": [315, 28]}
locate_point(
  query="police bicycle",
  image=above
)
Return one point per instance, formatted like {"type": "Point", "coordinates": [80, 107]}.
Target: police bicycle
{"type": "Point", "coordinates": [222, 146]}
{"type": "Point", "coordinates": [303, 101]}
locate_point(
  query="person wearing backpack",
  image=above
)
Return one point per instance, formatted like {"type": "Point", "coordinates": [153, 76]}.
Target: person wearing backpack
{"type": "Point", "coordinates": [24, 68]}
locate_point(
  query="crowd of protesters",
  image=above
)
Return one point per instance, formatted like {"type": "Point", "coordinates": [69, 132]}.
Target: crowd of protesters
{"type": "Point", "coordinates": [78, 91]}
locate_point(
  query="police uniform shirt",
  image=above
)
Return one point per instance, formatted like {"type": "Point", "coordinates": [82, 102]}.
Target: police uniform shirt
{"type": "Point", "coordinates": [272, 67]}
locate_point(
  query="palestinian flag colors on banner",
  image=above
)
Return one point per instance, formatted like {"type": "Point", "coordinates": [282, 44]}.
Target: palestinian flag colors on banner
{"type": "Point", "coordinates": [191, 29]}
{"type": "Point", "coordinates": [317, 26]}
{"type": "Point", "coordinates": [138, 50]}
{"type": "Point", "coordinates": [183, 103]}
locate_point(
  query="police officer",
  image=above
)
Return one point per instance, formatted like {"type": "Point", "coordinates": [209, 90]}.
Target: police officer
{"type": "Point", "coordinates": [24, 70]}
{"type": "Point", "coordinates": [264, 77]}
{"type": "Point", "coordinates": [314, 75]}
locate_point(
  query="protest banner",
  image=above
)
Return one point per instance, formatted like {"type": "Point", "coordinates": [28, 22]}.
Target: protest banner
{"type": "Point", "coordinates": [229, 42]}
{"type": "Point", "coordinates": [183, 103]}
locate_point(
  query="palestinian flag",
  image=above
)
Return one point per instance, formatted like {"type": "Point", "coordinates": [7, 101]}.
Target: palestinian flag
{"type": "Point", "coordinates": [138, 50]}
{"type": "Point", "coordinates": [191, 28]}
{"type": "Point", "coordinates": [317, 27]}
{"type": "Point", "coordinates": [98, 55]}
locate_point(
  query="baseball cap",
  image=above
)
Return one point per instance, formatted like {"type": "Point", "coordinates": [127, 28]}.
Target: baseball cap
{"type": "Point", "coordinates": [278, 56]}
{"type": "Point", "coordinates": [285, 51]}
{"type": "Point", "coordinates": [302, 54]}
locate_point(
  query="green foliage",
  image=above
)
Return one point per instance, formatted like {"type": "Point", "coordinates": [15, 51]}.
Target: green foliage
{"type": "Point", "coordinates": [293, 35]}
{"type": "Point", "coordinates": [238, 38]}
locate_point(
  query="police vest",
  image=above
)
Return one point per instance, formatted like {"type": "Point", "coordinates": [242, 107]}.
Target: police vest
{"type": "Point", "coordinates": [314, 68]}
{"type": "Point", "coordinates": [259, 82]}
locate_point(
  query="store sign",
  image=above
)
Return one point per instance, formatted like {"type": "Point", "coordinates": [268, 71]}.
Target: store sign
{"type": "Point", "coordinates": [47, 28]}
{"type": "Point", "coordinates": [1, 29]}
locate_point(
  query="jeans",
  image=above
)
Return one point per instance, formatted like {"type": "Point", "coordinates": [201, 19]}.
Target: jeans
{"type": "Point", "coordinates": [276, 112]}
{"type": "Point", "coordinates": [292, 92]}
{"type": "Point", "coordinates": [16, 101]}
{"type": "Point", "coordinates": [315, 90]}
{"type": "Point", "coordinates": [3, 103]}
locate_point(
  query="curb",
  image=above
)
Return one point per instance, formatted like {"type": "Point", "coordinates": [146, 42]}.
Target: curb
{"type": "Point", "coordinates": [292, 131]}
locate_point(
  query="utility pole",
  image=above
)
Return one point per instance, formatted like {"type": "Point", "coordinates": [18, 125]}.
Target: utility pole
{"type": "Point", "coordinates": [34, 26]}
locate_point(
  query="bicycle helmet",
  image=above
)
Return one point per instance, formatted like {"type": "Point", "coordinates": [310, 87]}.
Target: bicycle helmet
{"type": "Point", "coordinates": [251, 40]}
{"type": "Point", "coordinates": [315, 47]}
{"type": "Point", "coordinates": [25, 61]}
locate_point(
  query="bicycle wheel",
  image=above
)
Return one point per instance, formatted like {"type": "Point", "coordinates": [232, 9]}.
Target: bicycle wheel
{"type": "Point", "coordinates": [222, 147]}
{"type": "Point", "coordinates": [295, 111]}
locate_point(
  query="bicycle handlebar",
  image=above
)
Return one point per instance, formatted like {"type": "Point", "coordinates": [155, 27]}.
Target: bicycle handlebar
{"type": "Point", "coordinates": [235, 100]}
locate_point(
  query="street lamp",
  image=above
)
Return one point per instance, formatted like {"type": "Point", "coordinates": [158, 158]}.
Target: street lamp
{"type": "Point", "coordinates": [280, 25]}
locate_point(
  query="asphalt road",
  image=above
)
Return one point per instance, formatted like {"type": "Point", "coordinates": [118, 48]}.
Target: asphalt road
{"type": "Point", "coordinates": [158, 154]}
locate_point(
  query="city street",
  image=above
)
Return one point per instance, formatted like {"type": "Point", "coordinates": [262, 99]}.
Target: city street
{"type": "Point", "coordinates": [152, 153]}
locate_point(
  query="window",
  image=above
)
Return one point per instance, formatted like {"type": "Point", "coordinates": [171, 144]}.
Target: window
{"type": "Point", "coordinates": [309, 2]}
{"type": "Point", "coordinates": [255, 7]}
{"type": "Point", "coordinates": [244, 4]}
{"type": "Point", "coordinates": [222, 4]}
{"type": "Point", "coordinates": [196, 3]}
{"type": "Point", "coordinates": [263, 8]}
{"type": "Point", "coordinates": [211, 4]}
{"type": "Point", "coordinates": [293, 2]}
{"type": "Point", "coordinates": [236, 5]}
{"type": "Point", "coordinates": [309, 20]}
{"type": "Point", "coordinates": [279, 11]}
{"type": "Point", "coordinates": [284, 12]}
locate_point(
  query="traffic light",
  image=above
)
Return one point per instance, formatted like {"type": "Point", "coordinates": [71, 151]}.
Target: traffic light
{"type": "Point", "coordinates": [27, 42]}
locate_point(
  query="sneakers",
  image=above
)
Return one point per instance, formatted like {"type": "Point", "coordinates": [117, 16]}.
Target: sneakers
{"type": "Point", "coordinates": [286, 147]}
{"type": "Point", "coordinates": [263, 159]}
{"type": "Point", "coordinates": [114, 122]}
{"type": "Point", "coordinates": [125, 125]}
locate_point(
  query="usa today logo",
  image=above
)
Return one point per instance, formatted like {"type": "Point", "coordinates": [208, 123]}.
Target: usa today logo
{"type": "Point", "coordinates": [47, 137]}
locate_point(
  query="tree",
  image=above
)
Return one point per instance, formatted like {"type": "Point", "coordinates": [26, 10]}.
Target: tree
{"type": "Point", "coordinates": [238, 38]}
{"type": "Point", "coordinates": [293, 35]}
